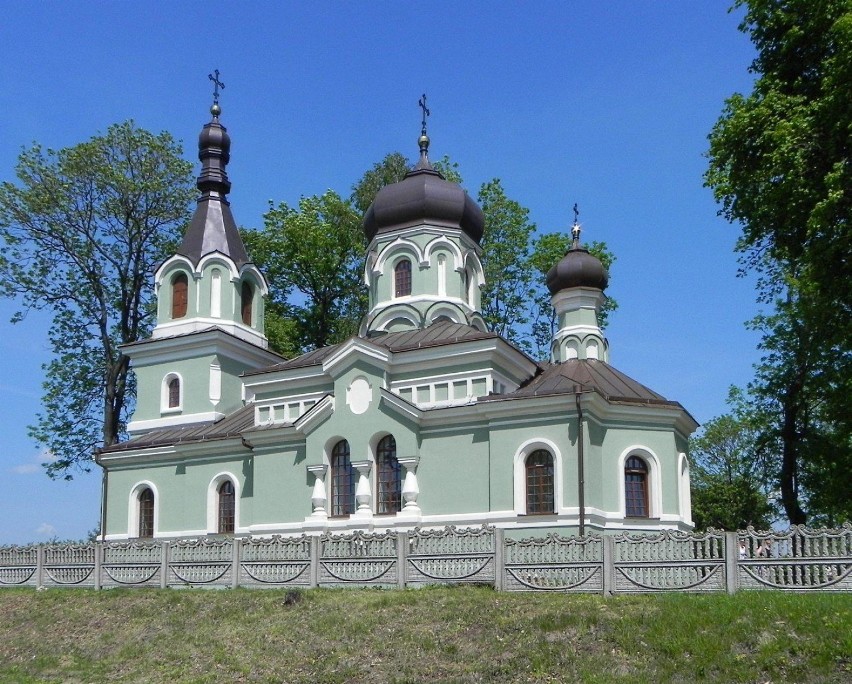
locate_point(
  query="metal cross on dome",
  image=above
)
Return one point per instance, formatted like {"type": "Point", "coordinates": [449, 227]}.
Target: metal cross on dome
{"type": "Point", "coordinates": [575, 229]}
{"type": "Point", "coordinates": [216, 85]}
{"type": "Point", "coordinates": [422, 103]}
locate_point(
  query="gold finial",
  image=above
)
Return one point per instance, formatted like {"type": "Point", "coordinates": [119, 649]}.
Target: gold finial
{"type": "Point", "coordinates": [423, 140]}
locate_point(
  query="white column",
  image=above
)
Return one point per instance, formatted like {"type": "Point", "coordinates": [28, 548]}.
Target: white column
{"type": "Point", "coordinates": [410, 488]}
{"type": "Point", "coordinates": [319, 499]}
{"type": "Point", "coordinates": [363, 492]}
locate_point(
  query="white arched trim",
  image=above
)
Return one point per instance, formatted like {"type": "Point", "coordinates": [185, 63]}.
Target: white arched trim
{"type": "Point", "coordinates": [471, 260]}
{"type": "Point", "coordinates": [178, 262]}
{"type": "Point", "coordinates": [218, 259]}
{"type": "Point", "coordinates": [133, 508]}
{"type": "Point", "coordinates": [391, 314]}
{"type": "Point", "coordinates": [655, 490]}
{"type": "Point", "coordinates": [520, 472]}
{"type": "Point", "coordinates": [445, 311]}
{"type": "Point", "coordinates": [213, 502]}
{"type": "Point", "coordinates": [684, 493]}
{"type": "Point", "coordinates": [400, 247]}
{"type": "Point", "coordinates": [258, 279]}
{"type": "Point", "coordinates": [443, 242]}
{"type": "Point", "coordinates": [164, 393]}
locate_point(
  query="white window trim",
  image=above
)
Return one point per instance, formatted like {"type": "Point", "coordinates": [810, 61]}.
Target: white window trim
{"type": "Point", "coordinates": [164, 394]}
{"type": "Point", "coordinates": [655, 491]}
{"type": "Point", "coordinates": [133, 508]}
{"type": "Point", "coordinates": [520, 473]}
{"type": "Point", "coordinates": [213, 502]}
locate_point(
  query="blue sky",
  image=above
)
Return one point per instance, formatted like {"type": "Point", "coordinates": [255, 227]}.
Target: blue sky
{"type": "Point", "coordinates": [607, 104]}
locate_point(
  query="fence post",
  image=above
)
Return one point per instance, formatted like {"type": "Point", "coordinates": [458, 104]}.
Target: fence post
{"type": "Point", "coordinates": [40, 566]}
{"type": "Point", "coordinates": [164, 565]}
{"type": "Point", "coordinates": [608, 565]}
{"type": "Point", "coordinates": [98, 562]}
{"type": "Point", "coordinates": [315, 553]}
{"type": "Point", "coordinates": [499, 558]}
{"type": "Point", "coordinates": [731, 559]}
{"type": "Point", "coordinates": [401, 559]}
{"type": "Point", "coordinates": [236, 547]}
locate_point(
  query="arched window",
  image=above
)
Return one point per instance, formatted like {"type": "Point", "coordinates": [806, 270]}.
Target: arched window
{"type": "Point", "coordinates": [342, 480]}
{"type": "Point", "coordinates": [636, 487]}
{"type": "Point", "coordinates": [227, 507]}
{"type": "Point", "coordinates": [389, 499]}
{"type": "Point", "coordinates": [402, 278]}
{"type": "Point", "coordinates": [247, 294]}
{"type": "Point", "coordinates": [146, 513]}
{"type": "Point", "coordinates": [539, 477]}
{"type": "Point", "coordinates": [180, 286]}
{"type": "Point", "coordinates": [174, 392]}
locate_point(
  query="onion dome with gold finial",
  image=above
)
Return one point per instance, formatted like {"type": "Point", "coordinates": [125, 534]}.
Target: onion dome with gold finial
{"type": "Point", "coordinates": [578, 268]}
{"type": "Point", "coordinates": [424, 196]}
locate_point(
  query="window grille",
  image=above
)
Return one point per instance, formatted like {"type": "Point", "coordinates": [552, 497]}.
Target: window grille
{"type": "Point", "coordinates": [389, 498]}
{"type": "Point", "coordinates": [227, 507]}
{"type": "Point", "coordinates": [539, 473]}
{"type": "Point", "coordinates": [342, 480]}
{"type": "Point", "coordinates": [146, 513]}
{"type": "Point", "coordinates": [636, 487]}
{"type": "Point", "coordinates": [402, 278]}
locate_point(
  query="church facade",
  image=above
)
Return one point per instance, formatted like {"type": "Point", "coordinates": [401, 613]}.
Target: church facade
{"type": "Point", "coordinates": [425, 418]}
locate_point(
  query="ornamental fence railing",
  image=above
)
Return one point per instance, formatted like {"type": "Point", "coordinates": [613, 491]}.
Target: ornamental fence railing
{"type": "Point", "coordinates": [799, 559]}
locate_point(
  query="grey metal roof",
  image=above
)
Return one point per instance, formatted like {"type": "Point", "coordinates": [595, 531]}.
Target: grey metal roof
{"type": "Point", "coordinates": [437, 334]}
{"type": "Point", "coordinates": [229, 426]}
{"type": "Point", "coordinates": [586, 375]}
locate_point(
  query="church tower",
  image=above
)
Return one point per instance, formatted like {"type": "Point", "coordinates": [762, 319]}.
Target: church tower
{"type": "Point", "coordinates": [423, 260]}
{"type": "Point", "coordinates": [577, 285]}
{"type": "Point", "coordinates": [210, 309]}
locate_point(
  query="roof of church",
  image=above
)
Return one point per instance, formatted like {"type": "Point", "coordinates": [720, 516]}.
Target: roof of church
{"type": "Point", "coordinates": [585, 375]}
{"type": "Point", "coordinates": [437, 334]}
{"type": "Point", "coordinates": [230, 426]}
{"type": "Point", "coordinates": [212, 228]}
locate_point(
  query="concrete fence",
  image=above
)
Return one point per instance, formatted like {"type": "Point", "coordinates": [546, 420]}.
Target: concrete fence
{"type": "Point", "coordinates": [799, 559]}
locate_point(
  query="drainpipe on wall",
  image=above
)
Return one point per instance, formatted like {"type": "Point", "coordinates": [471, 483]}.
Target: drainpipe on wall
{"type": "Point", "coordinates": [581, 475]}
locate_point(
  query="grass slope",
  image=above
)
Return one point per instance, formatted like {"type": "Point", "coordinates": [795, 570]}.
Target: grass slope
{"type": "Point", "coordinates": [464, 634]}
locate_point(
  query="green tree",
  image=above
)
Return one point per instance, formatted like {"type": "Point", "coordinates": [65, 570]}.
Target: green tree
{"type": "Point", "coordinates": [780, 167]}
{"type": "Point", "coordinates": [313, 258]}
{"type": "Point", "coordinates": [83, 230]}
{"type": "Point", "coordinates": [729, 477]}
{"type": "Point", "coordinates": [506, 248]}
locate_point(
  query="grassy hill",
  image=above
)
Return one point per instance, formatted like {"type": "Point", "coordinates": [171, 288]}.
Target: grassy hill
{"type": "Point", "coordinates": [463, 634]}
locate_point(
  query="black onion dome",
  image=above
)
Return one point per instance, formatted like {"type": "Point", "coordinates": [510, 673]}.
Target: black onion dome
{"type": "Point", "coordinates": [423, 196]}
{"type": "Point", "coordinates": [578, 268]}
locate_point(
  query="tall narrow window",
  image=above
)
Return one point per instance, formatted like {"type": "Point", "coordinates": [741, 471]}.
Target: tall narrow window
{"type": "Point", "coordinates": [180, 286]}
{"type": "Point", "coordinates": [389, 498]}
{"type": "Point", "coordinates": [227, 507]}
{"type": "Point", "coordinates": [636, 487]}
{"type": "Point", "coordinates": [402, 278]}
{"type": "Point", "coordinates": [174, 393]}
{"type": "Point", "coordinates": [247, 294]}
{"type": "Point", "coordinates": [539, 475]}
{"type": "Point", "coordinates": [146, 513]}
{"type": "Point", "coordinates": [216, 293]}
{"type": "Point", "coordinates": [342, 480]}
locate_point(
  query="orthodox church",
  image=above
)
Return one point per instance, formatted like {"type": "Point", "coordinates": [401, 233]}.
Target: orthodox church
{"type": "Point", "coordinates": [425, 418]}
